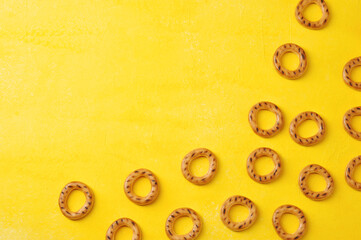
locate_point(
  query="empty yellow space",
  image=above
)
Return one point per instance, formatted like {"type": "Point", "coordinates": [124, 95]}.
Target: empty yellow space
{"type": "Point", "coordinates": [183, 225]}
{"type": "Point", "coordinates": [356, 74]}
{"type": "Point", "coordinates": [264, 165]}
{"type": "Point", "coordinates": [124, 233]}
{"type": "Point", "coordinates": [266, 119]}
{"type": "Point", "coordinates": [238, 213]}
{"type": "Point", "coordinates": [313, 12]}
{"type": "Point", "coordinates": [307, 129]}
{"type": "Point", "coordinates": [76, 200]}
{"type": "Point", "coordinates": [290, 223]}
{"type": "Point", "coordinates": [290, 61]}
{"type": "Point", "coordinates": [142, 187]}
{"type": "Point", "coordinates": [356, 123]}
{"type": "Point", "coordinates": [199, 166]}
{"type": "Point", "coordinates": [357, 174]}
{"type": "Point", "coordinates": [316, 182]}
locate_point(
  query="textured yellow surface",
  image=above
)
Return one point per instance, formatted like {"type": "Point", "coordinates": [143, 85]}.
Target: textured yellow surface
{"type": "Point", "coordinates": [94, 89]}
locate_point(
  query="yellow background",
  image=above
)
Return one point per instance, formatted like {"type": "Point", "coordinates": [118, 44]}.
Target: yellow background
{"type": "Point", "coordinates": [91, 90]}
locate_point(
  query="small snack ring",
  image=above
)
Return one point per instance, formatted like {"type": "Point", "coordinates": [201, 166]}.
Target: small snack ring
{"type": "Point", "coordinates": [347, 73]}
{"type": "Point", "coordinates": [349, 173]}
{"type": "Point", "coordinates": [252, 118]}
{"type": "Point", "coordinates": [356, 111]}
{"type": "Point", "coordinates": [302, 182]}
{"type": "Point", "coordinates": [261, 152]}
{"type": "Point", "coordinates": [285, 48]}
{"type": "Point", "coordinates": [134, 176]}
{"type": "Point", "coordinates": [85, 209]}
{"type": "Point", "coordinates": [183, 212]}
{"type": "Point", "coordinates": [290, 209]}
{"type": "Point", "coordinates": [123, 222]}
{"type": "Point", "coordinates": [238, 226]}
{"type": "Point", "coordinates": [296, 122]}
{"type": "Point", "coordinates": [197, 153]}
{"type": "Point", "coordinates": [302, 5]}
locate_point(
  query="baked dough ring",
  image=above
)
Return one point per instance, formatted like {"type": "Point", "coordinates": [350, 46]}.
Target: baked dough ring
{"type": "Point", "coordinates": [197, 153]}
{"type": "Point", "coordinates": [252, 118]}
{"type": "Point", "coordinates": [123, 222]}
{"type": "Point", "coordinates": [347, 73]}
{"type": "Point", "coordinates": [302, 182]}
{"type": "Point", "coordinates": [238, 226]}
{"type": "Point", "coordinates": [85, 209]}
{"type": "Point", "coordinates": [261, 152]}
{"type": "Point", "coordinates": [302, 5]}
{"type": "Point", "coordinates": [134, 176]}
{"type": "Point", "coordinates": [356, 111]}
{"type": "Point", "coordinates": [285, 48]}
{"type": "Point", "coordinates": [349, 173]}
{"type": "Point", "coordinates": [300, 119]}
{"type": "Point", "coordinates": [183, 212]}
{"type": "Point", "coordinates": [290, 209]}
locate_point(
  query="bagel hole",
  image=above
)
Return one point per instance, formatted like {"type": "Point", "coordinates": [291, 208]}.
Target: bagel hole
{"type": "Point", "coordinates": [183, 225]}
{"type": "Point", "coordinates": [307, 129]}
{"type": "Point", "coordinates": [356, 74]}
{"type": "Point", "coordinates": [312, 12]}
{"type": "Point", "coordinates": [357, 174]}
{"type": "Point", "coordinates": [290, 223]}
{"type": "Point", "coordinates": [316, 182]}
{"type": "Point", "coordinates": [264, 165]}
{"type": "Point", "coordinates": [199, 166]}
{"type": "Point", "coordinates": [124, 233]}
{"type": "Point", "coordinates": [266, 119]}
{"type": "Point", "coordinates": [76, 200]}
{"type": "Point", "coordinates": [142, 187]}
{"type": "Point", "coordinates": [290, 61]}
{"type": "Point", "coordinates": [356, 123]}
{"type": "Point", "coordinates": [238, 213]}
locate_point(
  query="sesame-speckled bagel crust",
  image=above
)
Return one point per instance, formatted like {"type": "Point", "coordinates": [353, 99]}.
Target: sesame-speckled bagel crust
{"type": "Point", "coordinates": [349, 173]}
{"type": "Point", "coordinates": [252, 118]}
{"type": "Point", "coordinates": [194, 154]}
{"type": "Point", "coordinates": [85, 209]}
{"type": "Point", "coordinates": [293, 48]}
{"type": "Point", "coordinates": [316, 169]}
{"type": "Point", "coordinates": [132, 178]}
{"type": "Point", "coordinates": [356, 111]}
{"type": "Point", "coordinates": [290, 209]}
{"type": "Point", "coordinates": [183, 212]}
{"type": "Point", "coordinates": [321, 23]}
{"type": "Point", "coordinates": [349, 66]}
{"type": "Point", "coordinates": [238, 226]}
{"type": "Point", "coordinates": [123, 222]}
{"type": "Point", "coordinates": [296, 122]}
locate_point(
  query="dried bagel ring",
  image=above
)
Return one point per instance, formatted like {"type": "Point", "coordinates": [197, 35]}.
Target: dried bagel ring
{"type": "Point", "coordinates": [197, 153]}
{"type": "Point", "coordinates": [243, 201]}
{"type": "Point", "coordinates": [262, 152]}
{"type": "Point", "coordinates": [183, 212]}
{"type": "Point", "coordinates": [300, 119]}
{"type": "Point", "coordinates": [349, 173]}
{"type": "Point", "coordinates": [85, 209]}
{"type": "Point", "coordinates": [252, 118]}
{"type": "Point", "coordinates": [123, 222]}
{"type": "Point", "coordinates": [134, 176]}
{"type": "Point", "coordinates": [347, 73]}
{"type": "Point", "coordinates": [347, 122]}
{"type": "Point", "coordinates": [302, 182]}
{"type": "Point", "coordinates": [285, 48]}
{"type": "Point", "coordinates": [303, 4]}
{"type": "Point", "coordinates": [290, 209]}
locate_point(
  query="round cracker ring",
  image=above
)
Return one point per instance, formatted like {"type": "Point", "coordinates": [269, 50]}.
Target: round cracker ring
{"type": "Point", "coordinates": [132, 178]}
{"type": "Point", "coordinates": [183, 212]}
{"type": "Point", "coordinates": [194, 154]}
{"type": "Point", "coordinates": [315, 169]}
{"type": "Point", "coordinates": [289, 209]}
{"type": "Point", "coordinates": [286, 48]}
{"type": "Point", "coordinates": [296, 122]}
{"type": "Point", "coordinates": [264, 152]}
{"type": "Point", "coordinates": [347, 73]}
{"type": "Point", "coordinates": [123, 222]}
{"type": "Point", "coordinates": [85, 209]}
{"type": "Point", "coordinates": [349, 173]}
{"type": "Point", "coordinates": [356, 111]}
{"type": "Point", "coordinates": [252, 118]}
{"type": "Point", "coordinates": [238, 226]}
{"type": "Point", "coordinates": [314, 25]}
